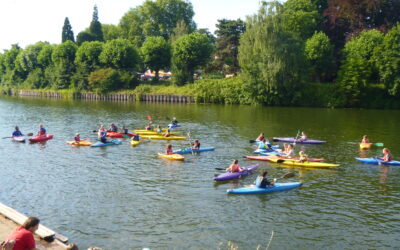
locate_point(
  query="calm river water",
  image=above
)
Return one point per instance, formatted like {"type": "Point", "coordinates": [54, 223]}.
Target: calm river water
{"type": "Point", "coordinates": [122, 197]}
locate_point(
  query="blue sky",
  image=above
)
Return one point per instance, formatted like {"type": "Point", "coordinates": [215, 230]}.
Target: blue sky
{"type": "Point", "coordinates": [28, 21]}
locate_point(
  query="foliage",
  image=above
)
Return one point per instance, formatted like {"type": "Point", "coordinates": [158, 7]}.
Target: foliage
{"type": "Point", "coordinates": [189, 52]}
{"type": "Point", "coordinates": [67, 33]}
{"type": "Point", "coordinates": [156, 18]}
{"type": "Point", "coordinates": [63, 58]}
{"type": "Point", "coordinates": [156, 54]}
{"type": "Point", "coordinates": [272, 60]}
{"type": "Point", "coordinates": [319, 53]}
{"type": "Point", "coordinates": [87, 56]}
{"type": "Point", "coordinates": [300, 17]}
{"type": "Point", "coordinates": [84, 36]}
{"type": "Point", "coordinates": [119, 54]}
{"type": "Point", "coordinates": [111, 31]}
{"type": "Point", "coordinates": [387, 57]}
{"type": "Point", "coordinates": [228, 36]}
{"type": "Point", "coordinates": [95, 26]}
{"type": "Point", "coordinates": [108, 79]}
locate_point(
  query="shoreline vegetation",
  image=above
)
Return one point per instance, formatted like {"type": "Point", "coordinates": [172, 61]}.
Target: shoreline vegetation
{"type": "Point", "coordinates": [294, 53]}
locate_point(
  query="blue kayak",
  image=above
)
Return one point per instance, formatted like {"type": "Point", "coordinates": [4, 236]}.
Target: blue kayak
{"type": "Point", "coordinates": [173, 125]}
{"type": "Point", "coordinates": [263, 150]}
{"type": "Point", "coordinates": [256, 190]}
{"type": "Point", "coordinates": [109, 143]}
{"type": "Point", "coordinates": [271, 153]}
{"type": "Point", "coordinates": [237, 175]}
{"type": "Point", "coordinates": [189, 151]}
{"type": "Point", "coordinates": [376, 161]}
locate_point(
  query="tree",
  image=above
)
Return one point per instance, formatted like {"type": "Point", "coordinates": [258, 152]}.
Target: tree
{"type": "Point", "coordinates": [63, 57]}
{"type": "Point", "coordinates": [10, 77]}
{"type": "Point", "coordinates": [181, 29]}
{"type": "Point", "coordinates": [319, 52]}
{"type": "Point", "coordinates": [189, 52]}
{"type": "Point", "coordinates": [119, 54]}
{"type": "Point", "coordinates": [84, 36]}
{"type": "Point", "coordinates": [95, 26]}
{"type": "Point", "coordinates": [156, 18]}
{"type": "Point", "coordinates": [156, 54]}
{"type": "Point", "coordinates": [300, 17]}
{"type": "Point", "coordinates": [228, 36]}
{"type": "Point", "coordinates": [387, 58]}
{"type": "Point", "coordinates": [111, 32]}
{"type": "Point", "coordinates": [67, 33]}
{"type": "Point", "coordinates": [358, 68]}
{"type": "Point", "coordinates": [272, 59]}
{"type": "Point", "coordinates": [87, 56]}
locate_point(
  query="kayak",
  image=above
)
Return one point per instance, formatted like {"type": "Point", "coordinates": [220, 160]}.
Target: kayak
{"type": "Point", "coordinates": [80, 143]}
{"type": "Point", "coordinates": [118, 135]}
{"type": "Point", "coordinates": [237, 175]}
{"type": "Point", "coordinates": [152, 133]}
{"type": "Point", "coordinates": [292, 140]}
{"type": "Point", "coordinates": [19, 138]}
{"type": "Point", "coordinates": [173, 125]}
{"type": "Point", "coordinates": [135, 143]}
{"type": "Point", "coordinates": [257, 190]}
{"type": "Point", "coordinates": [365, 145]}
{"type": "Point", "coordinates": [109, 143]}
{"type": "Point", "coordinates": [268, 158]}
{"type": "Point", "coordinates": [189, 151]}
{"type": "Point", "coordinates": [160, 137]}
{"type": "Point", "coordinates": [40, 138]}
{"type": "Point", "coordinates": [263, 150]}
{"type": "Point", "coordinates": [271, 153]}
{"type": "Point", "coordinates": [304, 164]}
{"type": "Point", "coordinates": [176, 157]}
{"type": "Point", "coordinates": [376, 161]}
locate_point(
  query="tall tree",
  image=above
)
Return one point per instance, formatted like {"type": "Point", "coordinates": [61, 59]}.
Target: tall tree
{"type": "Point", "coordinates": [271, 59]}
{"type": "Point", "coordinates": [156, 52]}
{"type": "Point", "coordinates": [63, 57]}
{"type": "Point", "coordinates": [67, 33]}
{"type": "Point", "coordinates": [119, 54]}
{"type": "Point", "coordinates": [189, 52]}
{"type": "Point", "coordinates": [228, 37]}
{"type": "Point", "coordinates": [95, 26]}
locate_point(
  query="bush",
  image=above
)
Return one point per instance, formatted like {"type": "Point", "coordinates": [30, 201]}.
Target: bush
{"type": "Point", "coordinates": [104, 80]}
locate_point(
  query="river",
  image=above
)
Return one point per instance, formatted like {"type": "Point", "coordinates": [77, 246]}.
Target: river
{"type": "Point", "coordinates": [124, 197]}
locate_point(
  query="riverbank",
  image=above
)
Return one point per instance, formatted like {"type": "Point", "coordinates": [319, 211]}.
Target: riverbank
{"type": "Point", "coordinates": [10, 219]}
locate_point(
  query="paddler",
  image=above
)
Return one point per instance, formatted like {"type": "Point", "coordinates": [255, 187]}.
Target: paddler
{"type": "Point", "coordinates": [303, 136]}
{"type": "Point", "coordinates": [149, 126]}
{"type": "Point", "coordinates": [159, 130]}
{"type": "Point", "coordinates": [77, 137]}
{"type": "Point", "coordinates": [168, 150]}
{"type": "Point", "coordinates": [364, 139]}
{"type": "Point", "coordinates": [113, 128]}
{"type": "Point", "coordinates": [174, 121]}
{"type": "Point", "coordinates": [17, 132]}
{"type": "Point", "coordinates": [264, 144]}
{"type": "Point", "coordinates": [167, 133]}
{"type": "Point", "coordinates": [387, 156]}
{"type": "Point", "coordinates": [102, 134]}
{"type": "Point", "coordinates": [124, 130]}
{"type": "Point", "coordinates": [135, 137]}
{"type": "Point", "coordinates": [263, 182]}
{"type": "Point", "coordinates": [290, 151]}
{"type": "Point", "coordinates": [196, 144]}
{"type": "Point", "coordinates": [303, 157]}
{"type": "Point", "coordinates": [42, 130]}
{"type": "Point", "coordinates": [234, 167]}
{"type": "Point", "coordinates": [261, 137]}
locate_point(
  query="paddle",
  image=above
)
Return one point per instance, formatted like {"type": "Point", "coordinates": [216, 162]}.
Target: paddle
{"type": "Point", "coordinates": [190, 142]}
{"type": "Point", "coordinates": [287, 175]}
{"type": "Point", "coordinates": [29, 134]}
{"type": "Point", "coordinates": [220, 168]}
{"type": "Point", "coordinates": [252, 141]}
{"type": "Point", "coordinates": [295, 139]}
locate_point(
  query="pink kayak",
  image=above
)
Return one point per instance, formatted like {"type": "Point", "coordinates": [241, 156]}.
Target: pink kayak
{"type": "Point", "coordinates": [40, 138]}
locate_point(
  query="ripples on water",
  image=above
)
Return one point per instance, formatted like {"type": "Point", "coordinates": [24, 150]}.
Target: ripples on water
{"type": "Point", "coordinates": [121, 197]}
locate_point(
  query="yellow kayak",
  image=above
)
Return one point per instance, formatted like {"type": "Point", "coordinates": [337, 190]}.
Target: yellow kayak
{"type": "Point", "coordinates": [160, 137]}
{"type": "Point", "coordinates": [138, 131]}
{"type": "Point", "coordinates": [81, 143]}
{"type": "Point", "coordinates": [305, 164]}
{"type": "Point", "coordinates": [176, 157]}
{"type": "Point", "coordinates": [365, 145]}
{"type": "Point", "coordinates": [135, 143]}
{"type": "Point", "coordinates": [151, 132]}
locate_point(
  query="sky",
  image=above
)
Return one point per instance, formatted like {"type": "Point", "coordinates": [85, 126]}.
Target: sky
{"type": "Point", "coordinates": [28, 21]}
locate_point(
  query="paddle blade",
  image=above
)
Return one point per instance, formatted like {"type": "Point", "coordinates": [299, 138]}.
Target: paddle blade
{"type": "Point", "coordinates": [220, 168]}
{"type": "Point", "coordinates": [378, 144]}
{"type": "Point", "coordinates": [288, 175]}
{"type": "Point", "coordinates": [280, 161]}
{"type": "Point", "coordinates": [29, 134]}
{"type": "Point", "coordinates": [252, 141]}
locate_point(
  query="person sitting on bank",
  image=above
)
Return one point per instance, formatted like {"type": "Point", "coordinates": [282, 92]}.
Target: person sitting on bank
{"type": "Point", "coordinates": [263, 182]}
{"type": "Point", "coordinates": [17, 132]}
{"type": "Point", "coordinates": [234, 167]}
{"type": "Point", "coordinates": [42, 130]}
{"type": "Point", "coordinates": [23, 235]}
{"type": "Point", "coordinates": [196, 144]}
{"type": "Point", "coordinates": [77, 137]}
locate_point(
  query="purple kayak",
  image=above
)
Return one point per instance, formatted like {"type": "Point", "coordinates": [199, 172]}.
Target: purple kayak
{"type": "Point", "coordinates": [231, 176]}
{"type": "Point", "coordinates": [292, 140]}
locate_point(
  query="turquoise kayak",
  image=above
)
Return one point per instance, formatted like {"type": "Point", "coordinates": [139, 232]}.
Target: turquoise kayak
{"type": "Point", "coordinates": [257, 190]}
{"type": "Point", "coordinates": [189, 151]}
{"type": "Point", "coordinates": [109, 143]}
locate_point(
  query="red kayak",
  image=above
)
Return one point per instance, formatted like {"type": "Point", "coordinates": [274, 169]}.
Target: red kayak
{"type": "Point", "coordinates": [40, 138]}
{"type": "Point", "coordinates": [270, 157]}
{"type": "Point", "coordinates": [118, 135]}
